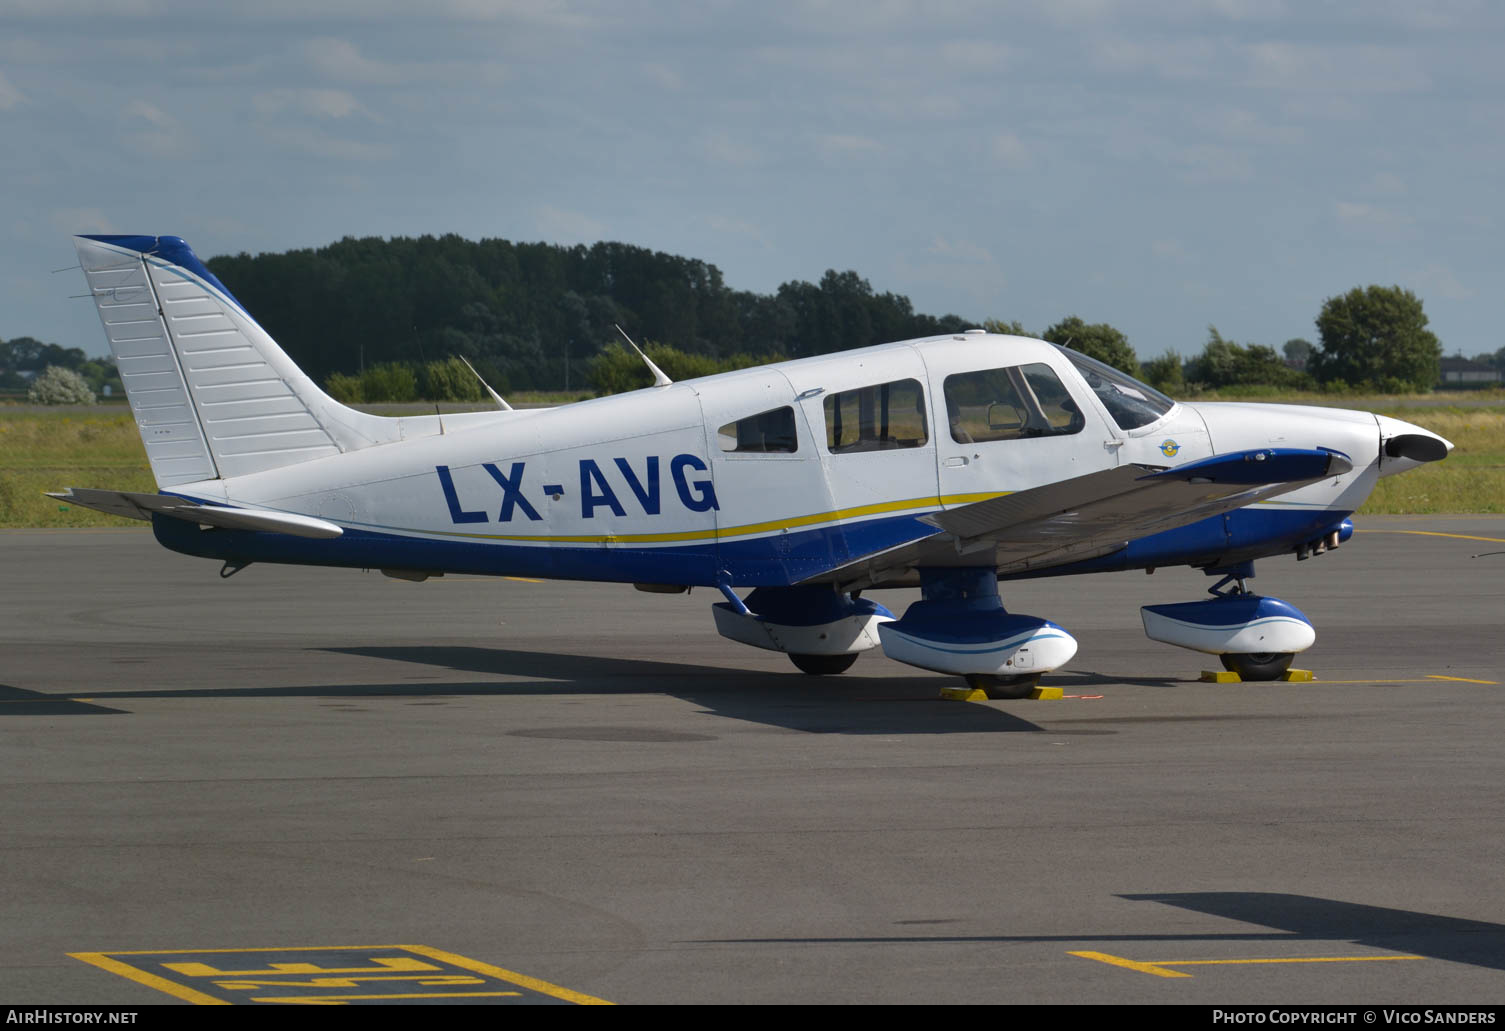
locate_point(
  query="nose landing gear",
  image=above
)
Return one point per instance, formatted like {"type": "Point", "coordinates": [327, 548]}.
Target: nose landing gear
{"type": "Point", "coordinates": [1254, 636]}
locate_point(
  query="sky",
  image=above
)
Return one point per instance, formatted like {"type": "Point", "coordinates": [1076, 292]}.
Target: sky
{"type": "Point", "coordinates": [1157, 165]}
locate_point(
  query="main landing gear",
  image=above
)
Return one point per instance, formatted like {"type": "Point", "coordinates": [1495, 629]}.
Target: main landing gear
{"type": "Point", "coordinates": [960, 626]}
{"type": "Point", "coordinates": [1255, 637]}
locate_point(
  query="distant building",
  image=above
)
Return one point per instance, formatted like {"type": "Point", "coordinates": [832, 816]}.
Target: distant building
{"type": "Point", "coordinates": [1465, 372]}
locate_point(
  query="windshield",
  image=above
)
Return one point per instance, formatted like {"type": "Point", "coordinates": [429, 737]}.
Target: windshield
{"type": "Point", "coordinates": [1130, 402]}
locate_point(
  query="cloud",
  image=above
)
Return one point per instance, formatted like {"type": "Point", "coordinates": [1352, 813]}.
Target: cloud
{"type": "Point", "coordinates": [53, 9]}
{"type": "Point", "coordinates": [1369, 215]}
{"type": "Point", "coordinates": [975, 53]}
{"type": "Point", "coordinates": [560, 225]}
{"type": "Point", "coordinates": [1439, 279]}
{"type": "Point", "coordinates": [737, 227]}
{"type": "Point", "coordinates": [1210, 163]}
{"type": "Point", "coordinates": [725, 149]}
{"type": "Point", "coordinates": [557, 13]}
{"type": "Point", "coordinates": [81, 220]}
{"type": "Point", "coordinates": [1246, 126]}
{"type": "Point", "coordinates": [1344, 68]}
{"type": "Point", "coordinates": [958, 263]}
{"type": "Point", "coordinates": [834, 146]}
{"type": "Point", "coordinates": [9, 96]}
{"type": "Point", "coordinates": [308, 140]}
{"type": "Point", "coordinates": [662, 75]}
{"type": "Point", "coordinates": [1009, 151]}
{"type": "Point", "coordinates": [321, 103]}
{"type": "Point", "coordinates": [155, 133]}
{"type": "Point", "coordinates": [1177, 59]}
{"type": "Point", "coordinates": [342, 60]}
{"type": "Point", "coordinates": [963, 251]}
{"type": "Point", "coordinates": [1384, 184]}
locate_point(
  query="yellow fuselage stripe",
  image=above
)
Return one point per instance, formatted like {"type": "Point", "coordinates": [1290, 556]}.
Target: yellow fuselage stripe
{"type": "Point", "coordinates": [879, 508]}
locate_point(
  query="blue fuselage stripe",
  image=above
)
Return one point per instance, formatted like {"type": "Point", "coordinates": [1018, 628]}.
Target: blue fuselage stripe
{"type": "Point", "coordinates": [769, 560]}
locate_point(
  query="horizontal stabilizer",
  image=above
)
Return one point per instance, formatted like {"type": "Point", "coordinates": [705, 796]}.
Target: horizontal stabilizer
{"type": "Point", "coordinates": [143, 506]}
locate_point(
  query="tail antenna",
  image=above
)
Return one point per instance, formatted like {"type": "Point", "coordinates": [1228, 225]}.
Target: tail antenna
{"type": "Point", "coordinates": [659, 379]}
{"type": "Point", "coordinates": [503, 405]}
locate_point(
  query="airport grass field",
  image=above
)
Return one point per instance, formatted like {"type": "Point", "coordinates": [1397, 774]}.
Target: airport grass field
{"type": "Point", "coordinates": [42, 451]}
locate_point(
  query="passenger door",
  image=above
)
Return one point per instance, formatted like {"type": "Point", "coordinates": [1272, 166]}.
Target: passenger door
{"type": "Point", "coordinates": [1005, 426]}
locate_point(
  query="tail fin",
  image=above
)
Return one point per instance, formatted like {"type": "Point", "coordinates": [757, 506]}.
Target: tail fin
{"type": "Point", "coordinates": [212, 393]}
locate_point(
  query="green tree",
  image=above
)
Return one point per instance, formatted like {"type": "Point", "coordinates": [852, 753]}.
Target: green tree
{"type": "Point", "coordinates": [389, 381]}
{"type": "Point", "coordinates": [1298, 352]}
{"type": "Point", "coordinates": [449, 380]}
{"type": "Point", "coordinates": [1224, 363]}
{"type": "Point", "coordinates": [1096, 340]}
{"type": "Point", "coordinates": [58, 386]}
{"type": "Point", "coordinates": [1166, 373]}
{"type": "Point", "coordinates": [1013, 329]}
{"type": "Point", "coordinates": [1377, 337]}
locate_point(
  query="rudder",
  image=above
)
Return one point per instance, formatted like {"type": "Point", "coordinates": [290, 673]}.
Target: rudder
{"type": "Point", "coordinates": [212, 393]}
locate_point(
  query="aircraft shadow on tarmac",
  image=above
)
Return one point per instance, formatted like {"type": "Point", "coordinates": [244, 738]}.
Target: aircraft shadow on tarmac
{"type": "Point", "coordinates": [849, 704]}
{"type": "Point", "coordinates": [1292, 918]}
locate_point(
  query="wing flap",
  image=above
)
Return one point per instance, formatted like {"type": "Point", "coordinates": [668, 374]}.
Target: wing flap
{"type": "Point", "coordinates": [143, 506]}
{"type": "Point", "coordinates": [1096, 514]}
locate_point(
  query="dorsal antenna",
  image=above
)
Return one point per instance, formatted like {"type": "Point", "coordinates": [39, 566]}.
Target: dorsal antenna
{"type": "Point", "coordinates": [659, 379]}
{"type": "Point", "coordinates": [503, 405]}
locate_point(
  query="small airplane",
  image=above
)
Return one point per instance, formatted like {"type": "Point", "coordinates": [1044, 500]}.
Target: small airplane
{"type": "Point", "coordinates": [948, 463]}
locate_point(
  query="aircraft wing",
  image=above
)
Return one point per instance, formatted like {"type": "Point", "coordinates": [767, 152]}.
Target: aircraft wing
{"type": "Point", "coordinates": [143, 506]}
{"type": "Point", "coordinates": [1092, 515]}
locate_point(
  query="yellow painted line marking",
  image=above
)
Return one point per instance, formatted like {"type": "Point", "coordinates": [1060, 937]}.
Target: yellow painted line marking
{"type": "Point", "coordinates": [522, 579]}
{"type": "Point", "coordinates": [263, 948]}
{"type": "Point", "coordinates": [384, 965]}
{"type": "Point", "coordinates": [423, 980]}
{"type": "Point", "coordinates": [1293, 959]}
{"type": "Point", "coordinates": [1436, 533]}
{"type": "Point", "coordinates": [1429, 679]}
{"type": "Point", "coordinates": [1119, 961]}
{"type": "Point", "coordinates": [1461, 680]}
{"type": "Point", "coordinates": [161, 984]}
{"type": "Point", "coordinates": [343, 1000]}
{"type": "Point", "coordinates": [521, 980]}
{"type": "Point", "coordinates": [391, 968]}
{"type": "Point", "coordinates": [1162, 967]}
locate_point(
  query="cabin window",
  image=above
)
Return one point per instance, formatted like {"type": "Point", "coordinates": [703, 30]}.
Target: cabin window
{"type": "Point", "coordinates": [1129, 402]}
{"type": "Point", "coordinates": [1009, 404]}
{"type": "Point", "coordinates": [765, 432]}
{"type": "Point", "coordinates": [878, 418]}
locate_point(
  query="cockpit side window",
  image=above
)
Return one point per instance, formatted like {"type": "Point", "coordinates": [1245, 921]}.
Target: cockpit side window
{"type": "Point", "coordinates": [876, 418]}
{"type": "Point", "coordinates": [771, 431]}
{"type": "Point", "coordinates": [1129, 402]}
{"type": "Point", "coordinates": [1010, 403]}
{"type": "Point", "coordinates": [765, 432]}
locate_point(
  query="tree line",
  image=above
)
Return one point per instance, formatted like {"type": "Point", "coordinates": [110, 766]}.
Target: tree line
{"type": "Point", "coordinates": [385, 320]}
{"type": "Point", "coordinates": [23, 359]}
{"type": "Point", "coordinates": [534, 315]}
{"type": "Point", "coordinates": [542, 316]}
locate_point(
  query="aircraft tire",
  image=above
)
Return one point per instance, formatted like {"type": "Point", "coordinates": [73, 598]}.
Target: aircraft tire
{"type": "Point", "coordinates": [1002, 688]}
{"type": "Point", "coordinates": [822, 665]}
{"type": "Point", "coordinates": [1258, 665]}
